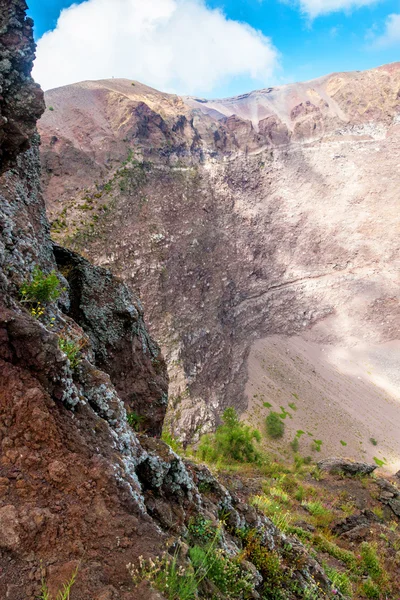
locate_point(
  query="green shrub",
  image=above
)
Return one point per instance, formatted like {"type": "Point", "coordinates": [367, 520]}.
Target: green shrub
{"type": "Point", "coordinates": [275, 426]}
{"type": "Point", "coordinates": [233, 441]}
{"type": "Point", "coordinates": [295, 444]}
{"type": "Point", "coordinates": [373, 441]}
{"type": "Point", "coordinates": [42, 289]}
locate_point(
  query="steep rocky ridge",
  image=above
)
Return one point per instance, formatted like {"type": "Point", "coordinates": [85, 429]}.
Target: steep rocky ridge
{"type": "Point", "coordinates": [78, 487]}
{"type": "Point", "coordinates": [21, 100]}
{"type": "Point", "coordinates": [274, 213]}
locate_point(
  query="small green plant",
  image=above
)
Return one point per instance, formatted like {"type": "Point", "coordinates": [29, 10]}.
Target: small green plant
{"type": "Point", "coordinates": [373, 441]}
{"type": "Point", "coordinates": [379, 462]}
{"type": "Point", "coordinates": [202, 529]}
{"type": "Point", "coordinates": [316, 445]}
{"type": "Point", "coordinates": [275, 426]}
{"type": "Point", "coordinates": [51, 108]}
{"type": "Point", "coordinates": [223, 571]}
{"type": "Point", "coordinates": [174, 581]}
{"type": "Point", "coordinates": [315, 508]}
{"type": "Point", "coordinates": [340, 581]}
{"type": "Point", "coordinates": [63, 593]}
{"type": "Point", "coordinates": [267, 405]}
{"type": "Point", "coordinates": [292, 406]}
{"type": "Point", "coordinates": [42, 289]}
{"type": "Point", "coordinates": [343, 443]}
{"type": "Point", "coordinates": [370, 560]}
{"type": "Point", "coordinates": [135, 420]}
{"type": "Point", "coordinates": [169, 439]}
{"type": "Point", "coordinates": [371, 590]}
{"type": "Point", "coordinates": [317, 474]}
{"type": "Point", "coordinates": [295, 444]}
{"type": "Point", "coordinates": [71, 349]}
{"type": "Point", "coordinates": [233, 441]}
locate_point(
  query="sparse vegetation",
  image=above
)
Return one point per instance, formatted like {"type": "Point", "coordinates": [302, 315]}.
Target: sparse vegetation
{"type": "Point", "coordinates": [275, 425]}
{"type": "Point", "coordinates": [373, 441]}
{"type": "Point", "coordinates": [71, 349]}
{"type": "Point", "coordinates": [64, 593]}
{"type": "Point", "coordinates": [208, 563]}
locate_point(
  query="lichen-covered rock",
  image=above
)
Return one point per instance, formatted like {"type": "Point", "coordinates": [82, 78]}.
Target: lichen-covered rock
{"type": "Point", "coordinates": [21, 100]}
{"type": "Point", "coordinates": [342, 465]}
{"type": "Point", "coordinates": [113, 319]}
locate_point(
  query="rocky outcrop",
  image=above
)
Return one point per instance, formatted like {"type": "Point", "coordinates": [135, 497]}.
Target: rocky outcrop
{"type": "Point", "coordinates": [113, 320]}
{"type": "Point", "coordinates": [21, 100]}
{"type": "Point", "coordinates": [348, 467]}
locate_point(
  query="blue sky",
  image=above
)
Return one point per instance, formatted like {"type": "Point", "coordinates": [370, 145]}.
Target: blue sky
{"type": "Point", "coordinates": [305, 46]}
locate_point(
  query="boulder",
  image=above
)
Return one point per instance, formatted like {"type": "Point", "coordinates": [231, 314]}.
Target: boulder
{"type": "Point", "coordinates": [343, 465]}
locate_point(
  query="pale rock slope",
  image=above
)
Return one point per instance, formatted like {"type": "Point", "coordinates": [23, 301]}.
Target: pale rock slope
{"type": "Point", "coordinates": [263, 234]}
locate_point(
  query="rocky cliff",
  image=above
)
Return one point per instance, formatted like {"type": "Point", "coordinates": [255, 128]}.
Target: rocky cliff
{"type": "Point", "coordinates": [262, 233]}
{"type": "Point", "coordinates": [80, 490]}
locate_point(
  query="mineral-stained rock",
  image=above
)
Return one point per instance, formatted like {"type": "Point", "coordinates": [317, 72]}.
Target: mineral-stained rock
{"type": "Point", "coordinates": [341, 465]}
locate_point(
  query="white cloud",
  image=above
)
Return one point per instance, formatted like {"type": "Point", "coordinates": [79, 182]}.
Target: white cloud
{"type": "Point", "coordinates": [314, 8]}
{"type": "Point", "coordinates": [391, 34]}
{"type": "Point", "coordinates": [173, 45]}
